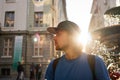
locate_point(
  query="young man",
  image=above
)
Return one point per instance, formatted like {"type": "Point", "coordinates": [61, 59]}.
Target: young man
{"type": "Point", "coordinates": [74, 64]}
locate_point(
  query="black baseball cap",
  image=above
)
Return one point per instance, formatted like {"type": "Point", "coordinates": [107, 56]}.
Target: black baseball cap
{"type": "Point", "coordinates": [68, 26]}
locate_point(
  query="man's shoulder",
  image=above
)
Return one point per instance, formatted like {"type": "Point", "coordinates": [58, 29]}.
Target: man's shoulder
{"type": "Point", "coordinates": [95, 56]}
{"type": "Point", "coordinates": [59, 58]}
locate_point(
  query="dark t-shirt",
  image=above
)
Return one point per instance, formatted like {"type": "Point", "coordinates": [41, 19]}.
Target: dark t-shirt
{"type": "Point", "coordinates": [20, 68]}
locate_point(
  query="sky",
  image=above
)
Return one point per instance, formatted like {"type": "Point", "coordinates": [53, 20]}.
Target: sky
{"type": "Point", "coordinates": [78, 11]}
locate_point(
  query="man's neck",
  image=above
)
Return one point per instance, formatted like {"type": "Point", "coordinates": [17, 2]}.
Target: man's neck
{"type": "Point", "coordinates": [72, 53]}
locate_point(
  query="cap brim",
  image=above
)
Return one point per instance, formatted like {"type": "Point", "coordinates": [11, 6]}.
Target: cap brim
{"type": "Point", "coordinates": [52, 30]}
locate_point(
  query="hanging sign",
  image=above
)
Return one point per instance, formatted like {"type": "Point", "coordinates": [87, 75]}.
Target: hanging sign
{"type": "Point", "coordinates": [17, 51]}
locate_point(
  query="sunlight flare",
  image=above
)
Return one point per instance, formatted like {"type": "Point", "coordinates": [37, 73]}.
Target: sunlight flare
{"type": "Point", "coordinates": [83, 38]}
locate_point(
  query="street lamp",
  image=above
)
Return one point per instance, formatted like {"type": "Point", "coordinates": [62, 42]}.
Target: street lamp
{"type": "Point", "coordinates": [35, 39]}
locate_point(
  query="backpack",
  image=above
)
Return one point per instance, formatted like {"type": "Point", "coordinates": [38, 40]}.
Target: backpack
{"type": "Point", "coordinates": [91, 61]}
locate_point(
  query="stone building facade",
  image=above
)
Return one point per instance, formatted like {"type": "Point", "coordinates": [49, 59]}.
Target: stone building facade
{"type": "Point", "coordinates": [98, 9]}
{"type": "Point", "coordinates": [108, 35]}
{"type": "Point", "coordinates": [23, 34]}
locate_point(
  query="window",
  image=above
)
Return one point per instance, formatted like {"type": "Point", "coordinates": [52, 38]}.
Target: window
{"type": "Point", "coordinates": [38, 19]}
{"type": "Point", "coordinates": [8, 47]}
{"type": "Point", "coordinates": [10, 1]}
{"type": "Point", "coordinates": [38, 46]}
{"type": "Point", "coordinates": [9, 19]}
{"type": "Point", "coordinates": [5, 71]}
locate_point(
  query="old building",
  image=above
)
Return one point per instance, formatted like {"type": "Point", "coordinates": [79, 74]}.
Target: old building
{"type": "Point", "coordinates": [107, 30]}
{"type": "Point", "coordinates": [23, 34]}
{"type": "Point", "coordinates": [98, 9]}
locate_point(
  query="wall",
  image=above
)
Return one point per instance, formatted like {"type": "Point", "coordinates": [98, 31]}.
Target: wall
{"type": "Point", "coordinates": [20, 8]}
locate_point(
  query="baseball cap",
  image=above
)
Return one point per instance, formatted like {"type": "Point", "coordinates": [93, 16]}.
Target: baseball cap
{"type": "Point", "coordinates": [68, 26]}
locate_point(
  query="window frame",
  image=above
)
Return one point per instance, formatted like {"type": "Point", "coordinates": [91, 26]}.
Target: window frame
{"type": "Point", "coordinates": [38, 45]}
{"type": "Point", "coordinates": [38, 22]}
{"type": "Point", "coordinates": [7, 44]}
{"type": "Point", "coordinates": [7, 24]}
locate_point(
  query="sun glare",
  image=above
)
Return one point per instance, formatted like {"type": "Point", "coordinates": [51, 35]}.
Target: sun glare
{"type": "Point", "coordinates": [85, 36]}
{"type": "Point", "coordinates": [83, 39]}
{"type": "Point", "coordinates": [78, 11]}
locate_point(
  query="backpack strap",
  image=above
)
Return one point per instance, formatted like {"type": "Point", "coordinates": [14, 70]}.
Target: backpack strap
{"type": "Point", "coordinates": [91, 61]}
{"type": "Point", "coordinates": [55, 62]}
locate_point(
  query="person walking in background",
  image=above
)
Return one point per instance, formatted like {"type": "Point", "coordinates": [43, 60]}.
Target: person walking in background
{"type": "Point", "coordinates": [38, 71]}
{"type": "Point", "coordinates": [32, 71]}
{"type": "Point", "coordinates": [20, 70]}
{"type": "Point", "coordinates": [114, 75]}
{"type": "Point", "coordinates": [74, 65]}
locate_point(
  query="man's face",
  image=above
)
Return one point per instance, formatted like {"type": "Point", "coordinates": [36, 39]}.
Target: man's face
{"type": "Point", "coordinates": [61, 40]}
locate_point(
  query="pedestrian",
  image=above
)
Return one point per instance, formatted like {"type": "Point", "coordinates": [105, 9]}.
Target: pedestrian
{"type": "Point", "coordinates": [38, 71]}
{"type": "Point", "coordinates": [20, 70]}
{"type": "Point", "coordinates": [114, 75]}
{"type": "Point", "coordinates": [74, 64]}
{"type": "Point", "coordinates": [32, 71]}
